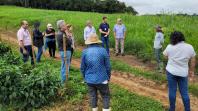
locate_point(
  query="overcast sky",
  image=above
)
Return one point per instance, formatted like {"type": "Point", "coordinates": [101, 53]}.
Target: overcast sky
{"type": "Point", "coordinates": [157, 6]}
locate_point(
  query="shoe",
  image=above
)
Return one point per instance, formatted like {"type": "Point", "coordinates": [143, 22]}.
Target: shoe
{"type": "Point", "coordinates": [106, 110]}
{"type": "Point", "coordinates": [94, 109]}
{"type": "Point", "coordinates": [123, 54]}
{"type": "Point", "coordinates": [116, 54]}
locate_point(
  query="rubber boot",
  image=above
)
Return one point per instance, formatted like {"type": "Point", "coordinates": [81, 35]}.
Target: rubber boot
{"type": "Point", "coordinates": [106, 110]}
{"type": "Point", "coordinates": [94, 109]}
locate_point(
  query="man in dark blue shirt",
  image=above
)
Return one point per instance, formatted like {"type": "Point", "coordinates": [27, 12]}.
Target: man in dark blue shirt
{"type": "Point", "coordinates": [105, 31]}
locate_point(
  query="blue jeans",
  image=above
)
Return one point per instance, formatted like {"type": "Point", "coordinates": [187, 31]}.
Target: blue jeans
{"type": "Point", "coordinates": [39, 54]}
{"type": "Point", "coordinates": [63, 65]}
{"type": "Point", "coordinates": [29, 54]}
{"type": "Point", "coordinates": [182, 82]}
{"type": "Point", "coordinates": [105, 41]}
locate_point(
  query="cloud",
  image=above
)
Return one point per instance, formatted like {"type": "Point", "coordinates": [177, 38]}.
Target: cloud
{"type": "Point", "coordinates": [157, 6]}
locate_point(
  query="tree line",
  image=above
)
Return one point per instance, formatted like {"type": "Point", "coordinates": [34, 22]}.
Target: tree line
{"type": "Point", "coordinates": [101, 6]}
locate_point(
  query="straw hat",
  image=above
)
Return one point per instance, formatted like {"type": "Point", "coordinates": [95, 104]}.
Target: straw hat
{"type": "Point", "coordinates": [49, 26]}
{"type": "Point", "coordinates": [93, 39]}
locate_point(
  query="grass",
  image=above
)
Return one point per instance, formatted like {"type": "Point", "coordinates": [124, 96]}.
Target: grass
{"type": "Point", "coordinates": [121, 66]}
{"type": "Point", "coordinates": [75, 91]}
{"type": "Point", "coordinates": [159, 78]}
{"type": "Point", "coordinates": [122, 100]}
{"type": "Point", "coordinates": [140, 29]}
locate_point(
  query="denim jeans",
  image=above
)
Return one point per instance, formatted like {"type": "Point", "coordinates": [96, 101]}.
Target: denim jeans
{"type": "Point", "coordinates": [64, 65]}
{"type": "Point", "coordinates": [104, 92]}
{"type": "Point", "coordinates": [182, 83]}
{"type": "Point", "coordinates": [158, 57]}
{"type": "Point", "coordinates": [29, 53]}
{"type": "Point", "coordinates": [39, 54]}
{"type": "Point", "coordinates": [105, 41]}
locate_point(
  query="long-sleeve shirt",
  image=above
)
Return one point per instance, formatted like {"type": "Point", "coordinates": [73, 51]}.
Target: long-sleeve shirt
{"type": "Point", "coordinates": [88, 31]}
{"type": "Point", "coordinates": [159, 40]}
{"type": "Point", "coordinates": [95, 65]}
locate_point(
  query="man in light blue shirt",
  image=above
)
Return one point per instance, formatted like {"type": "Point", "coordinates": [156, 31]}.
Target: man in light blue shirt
{"type": "Point", "coordinates": [119, 34]}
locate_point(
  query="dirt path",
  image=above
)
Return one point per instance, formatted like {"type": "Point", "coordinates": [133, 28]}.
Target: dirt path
{"type": "Point", "coordinates": [137, 85]}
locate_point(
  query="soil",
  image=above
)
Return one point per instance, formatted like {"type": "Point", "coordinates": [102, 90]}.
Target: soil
{"type": "Point", "coordinates": [138, 85]}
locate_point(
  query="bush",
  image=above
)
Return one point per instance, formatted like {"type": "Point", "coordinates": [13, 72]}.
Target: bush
{"type": "Point", "coordinates": [23, 86]}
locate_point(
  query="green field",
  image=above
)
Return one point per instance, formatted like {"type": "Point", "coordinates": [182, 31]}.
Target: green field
{"type": "Point", "coordinates": [140, 29]}
{"type": "Point", "coordinates": [29, 88]}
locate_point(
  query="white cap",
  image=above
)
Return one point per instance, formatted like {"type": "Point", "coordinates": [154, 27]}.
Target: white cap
{"type": "Point", "coordinates": [49, 26]}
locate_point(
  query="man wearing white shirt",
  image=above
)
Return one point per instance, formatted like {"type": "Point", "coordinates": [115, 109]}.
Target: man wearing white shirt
{"type": "Point", "coordinates": [158, 42]}
{"type": "Point", "coordinates": [25, 42]}
{"type": "Point", "coordinates": [89, 29]}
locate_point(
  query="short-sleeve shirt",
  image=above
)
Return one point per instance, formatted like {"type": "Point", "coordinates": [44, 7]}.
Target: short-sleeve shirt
{"type": "Point", "coordinates": [49, 32]}
{"type": "Point", "coordinates": [178, 58]}
{"type": "Point", "coordinates": [24, 35]}
{"type": "Point", "coordinates": [119, 30]}
{"type": "Point", "coordinates": [104, 27]}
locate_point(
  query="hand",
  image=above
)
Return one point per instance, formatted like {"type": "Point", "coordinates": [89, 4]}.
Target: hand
{"type": "Point", "coordinates": [43, 34]}
{"type": "Point", "coordinates": [191, 75]}
{"type": "Point", "coordinates": [25, 51]}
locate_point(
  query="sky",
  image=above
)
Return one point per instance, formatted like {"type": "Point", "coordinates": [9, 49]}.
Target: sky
{"type": "Point", "coordinates": [159, 6]}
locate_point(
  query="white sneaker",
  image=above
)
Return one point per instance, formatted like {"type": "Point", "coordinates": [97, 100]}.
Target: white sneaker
{"type": "Point", "coordinates": [94, 109]}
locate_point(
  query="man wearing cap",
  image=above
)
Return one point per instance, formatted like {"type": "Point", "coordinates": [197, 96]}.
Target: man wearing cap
{"type": "Point", "coordinates": [25, 43]}
{"type": "Point", "coordinates": [104, 29]}
{"type": "Point", "coordinates": [50, 40]}
{"type": "Point", "coordinates": [158, 42]}
{"type": "Point", "coordinates": [96, 71]}
{"type": "Point", "coordinates": [89, 29]}
{"type": "Point", "coordinates": [119, 34]}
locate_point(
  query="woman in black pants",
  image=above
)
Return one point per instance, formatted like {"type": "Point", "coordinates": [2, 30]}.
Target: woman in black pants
{"type": "Point", "coordinates": [50, 40]}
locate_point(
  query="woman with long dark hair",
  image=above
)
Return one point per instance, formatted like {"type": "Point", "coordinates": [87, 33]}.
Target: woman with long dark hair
{"type": "Point", "coordinates": [179, 55]}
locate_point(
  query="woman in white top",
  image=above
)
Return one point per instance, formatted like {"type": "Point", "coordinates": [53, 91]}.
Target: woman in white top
{"type": "Point", "coordinates": [89, 29]}
{"type": "Point", "coordinates": [179, 55]}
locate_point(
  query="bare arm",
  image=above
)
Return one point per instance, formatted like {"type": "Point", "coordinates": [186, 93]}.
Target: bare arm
{"type": "Point", "coordinates": [22, 46]}
{"type": "Point", "coordinates": [115, 34]}
{"type": "Point", "coordinates": [124, 34]}
{"type": "Point", "coordinates": [192, 67]}
{"type": "Point", "coordinates": [100, 30]}
{"type": "Point", "coordinates": [108, 32]}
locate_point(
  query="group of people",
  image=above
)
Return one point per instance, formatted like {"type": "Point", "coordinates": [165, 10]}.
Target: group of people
{"type": "Point", "coordinates": [95, 63]}
{"type": "Point", "coordinates": [104, 28]}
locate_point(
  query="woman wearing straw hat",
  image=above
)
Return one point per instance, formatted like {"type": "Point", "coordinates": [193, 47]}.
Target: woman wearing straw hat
{"type": "Point", "coordinates": [96, 70]}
